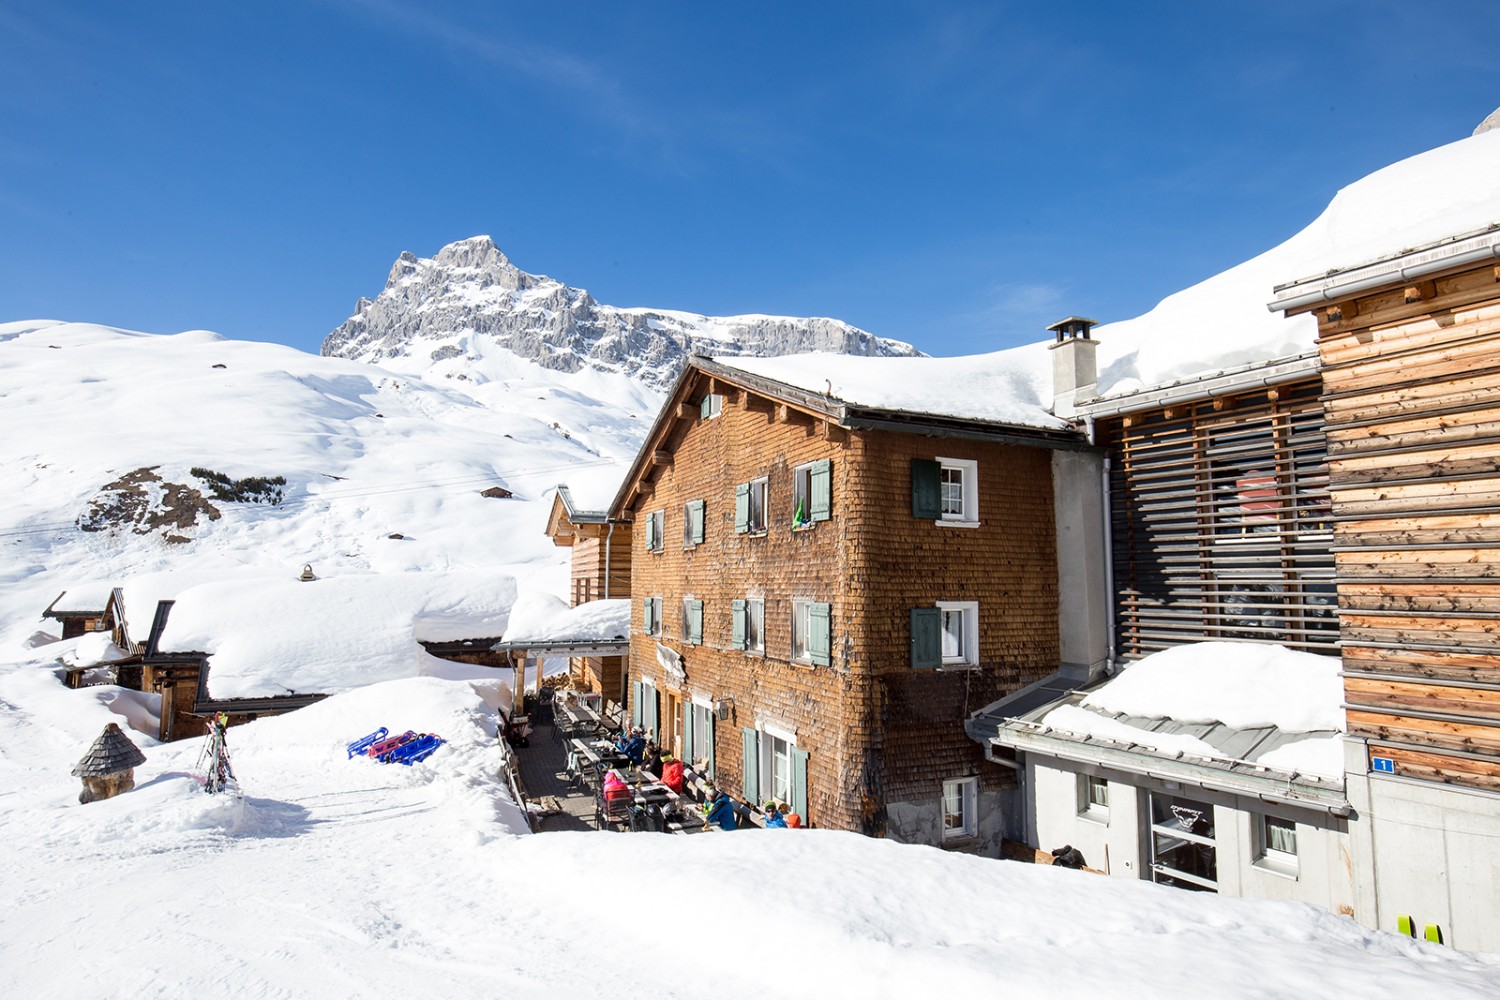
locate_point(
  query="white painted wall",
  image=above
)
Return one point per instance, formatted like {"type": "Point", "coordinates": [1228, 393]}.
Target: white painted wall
{"type": "Point", "coordinates": [1428, 851]}
{"type": "Point", "coordinates": [1121, 843]}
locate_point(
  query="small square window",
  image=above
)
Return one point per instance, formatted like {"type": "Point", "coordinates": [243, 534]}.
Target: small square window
{"type": "Point", "coordinates": [712, 406]}
{"type": "Point", "coordinates": [1276, 840]}
{"type": "Point", "coordinates": [960, 808]}
{"type": "Point", "coordinates": [1093, 797]}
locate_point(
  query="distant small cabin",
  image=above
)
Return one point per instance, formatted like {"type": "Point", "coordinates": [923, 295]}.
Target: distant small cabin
{"type": "Point", "coordinates": [82, 611]}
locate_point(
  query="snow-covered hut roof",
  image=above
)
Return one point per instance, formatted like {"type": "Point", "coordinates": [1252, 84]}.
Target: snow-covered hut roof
{"type": "Point", "coordinates": [1228, 714]}
{"type": "Point", "coordinates": [111, 753]}
{"type": "Point", "coordinates": [271, 637]}
{"type": "Point", "coordinates": [541, 622]}
{"type": "Point", "coordinates": [80, 599]}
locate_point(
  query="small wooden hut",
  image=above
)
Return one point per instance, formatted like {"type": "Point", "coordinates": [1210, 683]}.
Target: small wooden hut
{"type": "Point", "coordinates": [109, 767]}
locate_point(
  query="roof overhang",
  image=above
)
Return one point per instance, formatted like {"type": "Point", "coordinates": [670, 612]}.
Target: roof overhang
{"type": "Point", "coordinates": [1223, 382]}
{"type": "Point", "coordinates": [1452, 254]}
{"type": "Point", "coordinates": [574, 647]}
{"type": "Point", "coordinates": [1237, 776]}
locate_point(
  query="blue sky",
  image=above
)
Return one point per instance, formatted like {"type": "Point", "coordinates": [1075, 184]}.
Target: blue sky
{"type": "Point", "coordinates": [957, 175]}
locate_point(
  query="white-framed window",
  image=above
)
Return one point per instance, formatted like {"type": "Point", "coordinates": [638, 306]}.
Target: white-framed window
{"type": "Point", "coordinates": [776, 764]}
{"type": "Point", "coordinates": [959, 622]}
{"type": "Point", "coordinates": [758, 490]}
{"type": "Point", "coordinates": [800, 631]}
{"type": "Point", "coordinates": [755, 625]}
{"type": "Point", "coordinates": [700, 731]}
{"type": "Point", "coordinates": [711, 406]}
{"type": "Point", "coordinates": [655, 527]}
{"type": "Point", "coordinates": [1093, 797]}
{"type": "Point", "coordinates": [960, 808]}
{"type": "Point", "coordinates": [1276, 844]}
{"type": "Point", "coordinates": [812, 493]}
{"type": "Point", "coordinates": [958, 486]}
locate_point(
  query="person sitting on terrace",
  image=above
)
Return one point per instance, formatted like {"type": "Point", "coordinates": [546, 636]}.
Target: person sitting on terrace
{"type": "Point", "coordinates": [720, 809]}
{"type": "Point", "coordinates": [773, 817]}
{"type": "Point", "coordinates": [632, 744]}
{"type": "Point", "coordinates": [651, 760]}
{"type": "Point", "coordinates": [671, 774]}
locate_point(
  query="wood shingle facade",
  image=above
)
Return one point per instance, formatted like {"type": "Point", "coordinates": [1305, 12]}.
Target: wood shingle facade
{"type": "Point", "coordinates": [788, 584]}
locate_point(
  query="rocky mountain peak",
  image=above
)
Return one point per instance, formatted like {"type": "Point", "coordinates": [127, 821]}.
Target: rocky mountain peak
{"type": "Point", "coordinates": [469, 297]}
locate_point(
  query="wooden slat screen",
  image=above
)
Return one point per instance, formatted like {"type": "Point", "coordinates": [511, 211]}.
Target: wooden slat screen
{"type": "Point", "coordinates": [1220, 522]}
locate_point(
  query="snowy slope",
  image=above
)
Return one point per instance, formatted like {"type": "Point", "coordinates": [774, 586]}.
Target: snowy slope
{"type": "Point", "coordinates": [334, 878]}
{"type": "Point", "coordinates": [366, 454]}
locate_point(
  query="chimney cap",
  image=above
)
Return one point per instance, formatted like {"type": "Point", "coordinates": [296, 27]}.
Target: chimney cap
{"type": "Point", "coordinates": [1073, 326]}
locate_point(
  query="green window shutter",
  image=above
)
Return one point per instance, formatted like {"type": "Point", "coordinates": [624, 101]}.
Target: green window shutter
{"type": "Point", "coordinates": [821, 480]}
{"type": "Point", "coordinates": [750, 764]}
{"type": "Point", "coordinates": [650, 532]}
{"type": "Point", "coordinates": [705, 406]}
{"type": "Point", "coordinates": [648, 620]}
{"type": "Point", "coordinates": [696, 507]}
{"type": "Point", "coordinates": [926, 637]}
{"type": "Point", "coordinates": [820, 633]}
{"type": "Point", "coordinates": [635, 702]}
{"type": "Point", "coordinates": [689, 732]}
{"type": "Point", "coordinates": [799, 784]}
{"type": "Point", "coordinates": [742, 508]}
{"type": "Point", "coordinates": [695, 623]}
{"type": "Point", "coordinates": [739, 624]}
{"type": "Point", "coordinates": [926, 489]}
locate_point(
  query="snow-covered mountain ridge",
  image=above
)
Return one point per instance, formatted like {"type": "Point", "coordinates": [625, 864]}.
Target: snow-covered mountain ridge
{"type": "Point", "coordinates": [450, 311]}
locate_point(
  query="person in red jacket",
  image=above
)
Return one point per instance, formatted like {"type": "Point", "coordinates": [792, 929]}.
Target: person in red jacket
{"type": "Point", "coordinates": [671, 774]}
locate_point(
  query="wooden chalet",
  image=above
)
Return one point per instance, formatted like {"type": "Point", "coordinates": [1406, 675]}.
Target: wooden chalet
{"type": "Point", "coordinates": [823, 591]}
{"type": "Point", "coordinates": [600, 550]}
{"type": "Point", "coordinates": [181, 678]}
{"type": "Point", "coordinates": [1410, 353]}
{"type": "Point", "coordinates": [80, 612]}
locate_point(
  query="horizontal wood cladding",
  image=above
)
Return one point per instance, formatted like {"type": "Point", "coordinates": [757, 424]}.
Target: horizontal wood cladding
{"type": "Point", "coordinates": [1441, 768]}
{"type": "Point", "coordinates": [876, 731]}
{"type": "Point", "coordinates": [1412, 396]}
{"type": "Point", "coordinates": [594, 577]}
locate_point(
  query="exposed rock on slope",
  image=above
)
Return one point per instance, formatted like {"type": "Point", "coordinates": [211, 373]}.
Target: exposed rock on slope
{"type": "Point", "coordinates": [470, 296]}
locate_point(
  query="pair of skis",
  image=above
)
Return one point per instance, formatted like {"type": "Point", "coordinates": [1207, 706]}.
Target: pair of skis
{"type": "Point", "coordinates": [213, 761]}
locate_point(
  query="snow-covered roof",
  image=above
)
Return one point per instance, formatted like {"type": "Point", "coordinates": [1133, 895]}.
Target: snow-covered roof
{"type": "Point", "coordinates": [1225, 704]}
{"type": "Point", "coordinates": [81, 599]}
{"type": "Point", "coordinates": [1001, 388]}
{"type": "Point", "coordinates": [543, 618]}
{"type": "Point", "coordinates": [1222, 322]}
{"type": "Point", "coordinates": [270, 637]}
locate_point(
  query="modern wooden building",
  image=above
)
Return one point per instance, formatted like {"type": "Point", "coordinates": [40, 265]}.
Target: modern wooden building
{"type": "Point", "coordinates": [824, 589]}
{"type": "Point", "coordinates": [1410, 352]}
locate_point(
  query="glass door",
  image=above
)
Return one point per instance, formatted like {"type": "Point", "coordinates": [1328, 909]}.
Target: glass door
{"type": "Point", "coordinates": [1183, 850]}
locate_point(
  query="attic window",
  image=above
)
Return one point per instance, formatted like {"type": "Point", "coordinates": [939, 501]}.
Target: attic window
{"type": "Point", "coordinates": [712, 405]}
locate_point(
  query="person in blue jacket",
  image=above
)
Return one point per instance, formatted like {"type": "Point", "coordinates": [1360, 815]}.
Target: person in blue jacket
{"type": "Point", "coordinates": [773, 817]}
{"type": "Point", "coordinates": [721, 810]}
{"type": "Point", "coordinates": [632, 745]}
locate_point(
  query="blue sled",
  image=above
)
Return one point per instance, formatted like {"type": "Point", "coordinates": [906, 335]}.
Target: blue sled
{"type": "Point", "coordinates": [418, 749]}
{"type": "Point", "coordinates": [364, 743]}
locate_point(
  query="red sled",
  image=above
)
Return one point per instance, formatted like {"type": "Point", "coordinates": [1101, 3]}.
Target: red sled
{"type": "Point", "coordinates": [386, 746]}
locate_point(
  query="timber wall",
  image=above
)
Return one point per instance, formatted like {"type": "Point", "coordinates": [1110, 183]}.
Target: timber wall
{"type": "Point", "coordinates": [1412, 377]}
{"type": "Point", "coordinates": [589, 572]}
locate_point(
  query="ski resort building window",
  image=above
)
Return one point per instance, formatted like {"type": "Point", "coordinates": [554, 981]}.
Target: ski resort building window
{"type": "Point", "coordinates": [812, 632]}
{"type": "Point", "coordinates": [749, 625]}
{"type": "Point", "coordinates": [750, 507]}
{"type": "Point", "coordinates": [655, 530]}
{"type": "Point", "coordinates": [712, 406]}
{"type": "Point", "coordinates": [692, 621]}
{"type": "Point", "coordinates": [1276, 845]}
{"type": "Point", "coordinates": [960, 812]}
{"type": "Point", "coordinates": [812, 494]}
{"type": "Point", "coordinates": [1184, 852]}
{"type": "Point", "coordinates": [960, 631]}
{"type": "Point", "coordinates": [946, 490]}
{"type": "Point", "coordinates": [651, 615]}
{"type": "Point", "coordinates": [1093, 798]}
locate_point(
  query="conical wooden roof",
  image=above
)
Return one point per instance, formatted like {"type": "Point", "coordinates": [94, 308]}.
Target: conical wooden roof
{"type": "Point", "coordinates": [111, 753]}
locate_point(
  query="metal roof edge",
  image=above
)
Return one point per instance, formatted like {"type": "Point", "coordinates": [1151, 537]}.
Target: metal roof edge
{"type": "Point", "coordinates": [1206, 385]}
